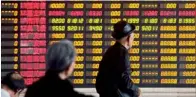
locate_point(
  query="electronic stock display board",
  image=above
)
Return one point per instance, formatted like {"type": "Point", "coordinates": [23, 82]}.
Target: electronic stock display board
{"type": "Point", "coordinates": [163, 52]}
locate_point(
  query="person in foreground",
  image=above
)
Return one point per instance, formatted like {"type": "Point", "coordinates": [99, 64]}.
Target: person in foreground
{"type": "Point", "coordinates": [60, 61]}
{"type": "Point", "coordinates": [12, 84]}
{"type": "Point", "coordinates": [113, 78]}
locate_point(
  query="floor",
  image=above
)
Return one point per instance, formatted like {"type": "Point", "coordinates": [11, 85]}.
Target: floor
{"type": "Point", "coordinates": [153, 92]}
{"type": "Point", "coordinates": [147, 92]}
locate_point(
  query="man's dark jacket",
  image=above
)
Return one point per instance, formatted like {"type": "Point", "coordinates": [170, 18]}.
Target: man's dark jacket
{"type": "Point", "coordinates": [52, 86]}
{"type": "Point", "coordinates": [113, 79]}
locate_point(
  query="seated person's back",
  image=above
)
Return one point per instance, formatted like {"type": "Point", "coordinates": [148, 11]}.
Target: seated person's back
{"type": "Point", "coordinates": [60, 60]}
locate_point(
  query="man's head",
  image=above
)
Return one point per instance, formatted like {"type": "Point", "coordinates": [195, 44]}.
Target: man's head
{"type": "Point", "coordinates": [123, 33]}
{"type": "Point", "coordinates": [12, 83]}
{"type": "Point", "coordinates": [60, 58]}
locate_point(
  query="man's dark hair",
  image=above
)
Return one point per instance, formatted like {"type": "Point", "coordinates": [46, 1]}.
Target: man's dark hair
{"type": "Point", "coordinates": [14, 81]}
{"type": "Point", "coordinates": [60, 56]}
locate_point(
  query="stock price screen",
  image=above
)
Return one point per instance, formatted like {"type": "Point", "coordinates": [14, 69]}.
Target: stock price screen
{"type": "Point", "coordinates": [163, 52]}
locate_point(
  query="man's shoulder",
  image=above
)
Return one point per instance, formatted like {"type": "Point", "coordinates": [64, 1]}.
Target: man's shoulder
{"type": "Point", "coordinates": [119, 50]}
{"type": "Point", "coordinates": [36, 85]}
{"type": "Point", "coordinates": [113, 48]}
{"type": "Point", "coordinates": [34, 89]}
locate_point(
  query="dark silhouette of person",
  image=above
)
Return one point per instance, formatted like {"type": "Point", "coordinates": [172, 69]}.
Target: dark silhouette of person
{"type": "Point", "coordinates": [12, 85]}
{"type": "Point", "coordinates": [60, 61]}
{"type": "Point", "coordinates": [113, 79]}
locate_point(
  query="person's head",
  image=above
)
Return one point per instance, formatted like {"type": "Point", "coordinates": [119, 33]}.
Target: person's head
{"type": "Point", "coordinates": [60, 58]}
{"type": "Point", "coordinates": [123, 33]}
{"type": "Point", "coordinates": [12, 83]}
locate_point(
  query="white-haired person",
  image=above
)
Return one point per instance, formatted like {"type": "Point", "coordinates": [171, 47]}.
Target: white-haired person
{"type": "Point", "coordinates": [60, 61]}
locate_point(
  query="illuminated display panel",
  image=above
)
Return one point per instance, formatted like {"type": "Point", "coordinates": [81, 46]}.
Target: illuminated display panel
{"type": "Point", "coordinates": [32, 40]}
{"type": "Point", "coordinates": [163, 52]}
{"type": "Point", "coordinates": [10, 49]}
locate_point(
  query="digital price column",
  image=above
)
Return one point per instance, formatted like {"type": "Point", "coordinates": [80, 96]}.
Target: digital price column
{"type": "Point", "coordinates": [56, 21]}
{"type": "Point", "coordinates": [32, 40]}
{"type": "Point", "coordinates": [112, 14]}
{"type": "Point", "coordinates": [149, 43]}
{"type": "Point", "coordinates": [9, 37]}
{"type": "Point", "coordinates": [131, 14]}
{"type": "Point", "coordinates": [75, 30]}
{"type": "Point", "coordinates": [93, 40]}
{"type": "Point", "coordinates": [168, 43]}
{"type": "Point", "coordinates": [187, 43]}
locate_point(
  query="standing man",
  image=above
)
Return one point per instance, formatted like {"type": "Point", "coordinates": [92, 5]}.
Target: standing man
{"type": "Point", "coordinates": [114, 79]}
